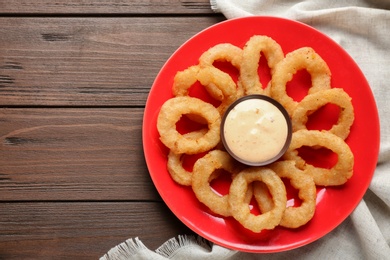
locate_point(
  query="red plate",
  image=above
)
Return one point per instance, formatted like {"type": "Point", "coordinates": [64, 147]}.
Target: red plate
{"type": "Point", "coordinates": [334, 204]}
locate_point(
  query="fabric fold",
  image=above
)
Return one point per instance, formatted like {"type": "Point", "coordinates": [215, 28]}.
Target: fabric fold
{"type": "Point", "coordinates": [371, 238]}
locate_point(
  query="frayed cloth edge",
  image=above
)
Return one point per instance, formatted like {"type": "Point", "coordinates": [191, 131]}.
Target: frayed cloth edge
{"type": "Point", "coordinates": [214, 6]}
{"type": "Point", "coordinates": [124, 250]}
{"type": "Point", "coordinates": [170, 247]}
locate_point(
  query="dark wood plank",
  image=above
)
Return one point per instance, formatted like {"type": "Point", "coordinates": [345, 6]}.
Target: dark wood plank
{"type": "Point", "coordinates": [73, 154]}
{"type": "Point", "coordinates": [81, 230]}
{"type": "Point", "coordinates": [108, 6]}
{"type": "Point", "coordinates": [87, 61]}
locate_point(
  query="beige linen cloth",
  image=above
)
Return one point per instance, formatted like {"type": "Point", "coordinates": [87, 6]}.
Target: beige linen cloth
{"type": "Point", "coordinates": [362, 28]}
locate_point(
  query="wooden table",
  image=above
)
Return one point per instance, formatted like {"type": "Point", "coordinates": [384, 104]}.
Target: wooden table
{"type": "Point", "coordinates": [74, 79]}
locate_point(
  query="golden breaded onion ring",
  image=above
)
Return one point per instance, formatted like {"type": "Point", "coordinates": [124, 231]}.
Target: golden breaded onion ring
{"type": "Point", "coordinates": [303, 58]}
{"type": "Point", "coordinates": [222, 52]}
{"type": "Point", "coordinates": [171, 112]}
{"type": "Point", "coordinates": [225, 52]}
{"type": "Point", "coordinates": [293, 217]}
{"type": "Point", "coordinates": [208, 77]}
{"type": "Point", "coordinates": [312, 102]}
{"type": "Point", "coordinates": [215, 78]}
{"type": "Point", "coordinates": [204, 168]}
{"type": "Point", "coordinates": [339, 173]}
{"type": "Point", "coordinates": [239, 206]}
{"type": "Point", "coordinates": [177, 171]}
{"type": "Point", "coordinates": [175, 163]}
{"type": "Point", "coordinates": [184, 79]}
{"type": "Point", "coordinates": [251, 56]}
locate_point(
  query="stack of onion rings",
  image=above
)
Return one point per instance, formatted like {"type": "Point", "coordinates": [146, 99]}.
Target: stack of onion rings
{"type": "Point", "coordinates": [264, 184]}
{"type": "Point", "coordinates": [239, 207]}
{"type": "Point", "coordinates": [293, 217]}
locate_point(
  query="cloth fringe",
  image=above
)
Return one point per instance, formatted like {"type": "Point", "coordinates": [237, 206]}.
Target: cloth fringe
{"type": "Point", "coordinates": [214, 6]}
{"type": "Point", "coordinates": [128, 249]}
{"type": "Point", "coordinates": [124, 250]}
{"type": "Point", "coordinates": [169, 248]}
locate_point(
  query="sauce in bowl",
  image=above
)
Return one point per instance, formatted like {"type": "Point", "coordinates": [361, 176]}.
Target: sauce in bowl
{"type": "Point", "coordinates": [256, 130]}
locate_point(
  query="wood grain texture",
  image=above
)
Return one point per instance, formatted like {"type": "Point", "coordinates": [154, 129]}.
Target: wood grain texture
{"type": "Point", "coordinates": [87, 61]}
{"type": "Point", "coordinates": [81, 230]}
{"type": "Point", "coordinates": [73, 154]}
{"type": "Point", "coordinates": [106, 7]}
{"type": "Point", "coordinates": [74, 79]}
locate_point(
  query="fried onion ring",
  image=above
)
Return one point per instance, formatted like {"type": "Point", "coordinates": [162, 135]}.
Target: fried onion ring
{"type": "Point", "coordinates": [339, 173]}
{"type": "Point", "coordinates": [251, 55]}
{"type": "Point", "coordinates": [184, 79]}
{"type": "Point", "coordinates": [175, 166]}
{"type": "Point", "coordinates": [171, 112]}
{"type": "Point", "coordinates": [293, 217]}
{"type": "Point", "coordinates": [216, 78]}
{"type": "Point", "coordinates": [312, 102]}
{"type": "Point", "coordinates": [303, 58]}
{"type": "Point", "coordinates": [224, 52]}
{"type": "Point", "coordinates": [202, 175]}
{"type": "Point", "coordinates": [208, 77]}
{"type": "Point", "coordinates": [239, 207]}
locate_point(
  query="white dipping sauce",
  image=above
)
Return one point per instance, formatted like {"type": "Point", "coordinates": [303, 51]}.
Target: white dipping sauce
{"type": "Point", "coordinates": [255, 130]}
